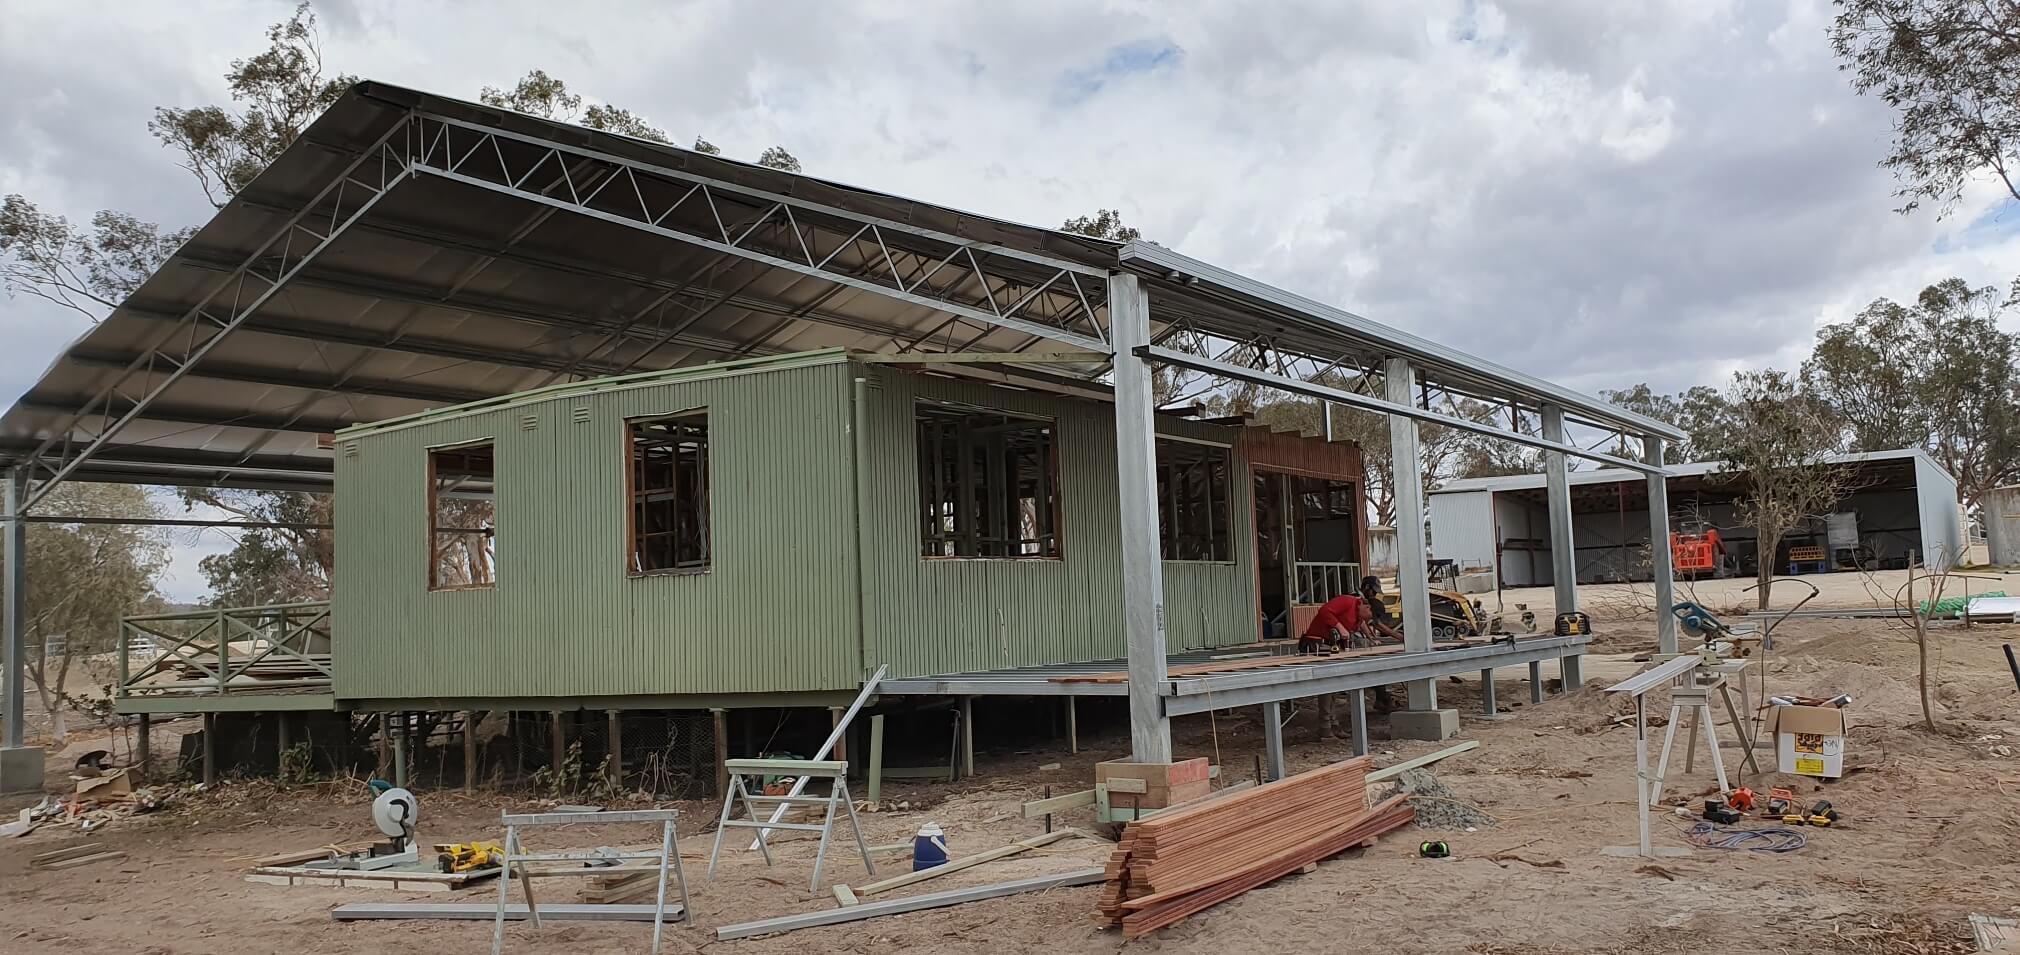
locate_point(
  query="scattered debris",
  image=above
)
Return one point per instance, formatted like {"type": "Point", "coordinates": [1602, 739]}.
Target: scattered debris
{"type": "Point", "coordinates": [1658, 871]}
{"type": "Point", "coordinates": [931, 900]}
{"type": "Point", "coordinates": [1994, 934]}
{"type": "Point", "coordinates": [74, 856]}
{"type": "Point", "coordinates": [1501, 858]}
{"type": "Point", "coordinates": [1437, 806]}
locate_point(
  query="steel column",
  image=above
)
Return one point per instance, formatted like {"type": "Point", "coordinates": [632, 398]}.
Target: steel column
{"type": "Point", "coordinates": [1273, 741]}
{"type": "Point", "coordinates": [16, 596]}
{"type": "Point", "coordinates": [1487, 703]}
{"type": "Point", "coordinates": [1658, 549]}
{"type": "Point", "coordinates": [1557, 493]}
{"type": "Point", "coordinates": [1357, 716]}
{"type": "Point", "coordinates": [1412, 579]}
{"type": "Point", "coordinates": [1535, 681]}
{"type": "Point", "coordinates": [1142, 562]}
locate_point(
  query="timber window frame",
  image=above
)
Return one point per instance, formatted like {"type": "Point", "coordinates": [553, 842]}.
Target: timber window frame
{"type": "Point", "coordinates": [1195, 516]}
{"type": "Point", "coordinates": [668, 495]}
{"type": "Point", "coordinates": [470, 470]}
{"type": "Point", "coordinates": [988, 483]}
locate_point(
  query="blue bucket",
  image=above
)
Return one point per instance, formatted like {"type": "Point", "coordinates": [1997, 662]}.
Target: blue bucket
{"type": "Point", "coordinates": [929, 848]}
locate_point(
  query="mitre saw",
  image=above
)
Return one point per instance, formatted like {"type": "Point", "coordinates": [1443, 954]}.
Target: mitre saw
{"type": "Point", "coordinates": [396, 812]}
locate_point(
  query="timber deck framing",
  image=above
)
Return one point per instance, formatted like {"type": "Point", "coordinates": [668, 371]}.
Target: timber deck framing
{"type": "Point", "coordinates": [1195, 692]}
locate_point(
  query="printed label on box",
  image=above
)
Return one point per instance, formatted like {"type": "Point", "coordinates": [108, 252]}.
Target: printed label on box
{"type": "Point", "coordinates": [1810, 767]}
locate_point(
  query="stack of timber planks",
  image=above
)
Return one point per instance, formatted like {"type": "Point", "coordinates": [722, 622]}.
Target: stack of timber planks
{"type": "Point", "coordinates": [1189, 859]}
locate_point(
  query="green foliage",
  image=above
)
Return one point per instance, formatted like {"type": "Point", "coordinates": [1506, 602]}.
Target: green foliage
{"type": "Point", "coordinates": [298, 765]}
{"type": "Point", "coordinates": [1951, 71]}
{"type": "Point", "coordinates": [776, 157]}
{"type": "Point", "coordinates": [1103, 224]}
{"type": "Point", "coordinates": [283, 89]}
{"type": "Point", "coordinates": [1700, 411]}
{"type": "Point", "coordinates": [82, 578]}
{"type": "Point", "coordinates": [1938, 375]}
{"type": "Point", "coordinates": [89, 271]}
{"type": "Point", "coordinates": [708, 148]}
{"type": "Point", "coordinates": [538, 94]}
{"type": "Point", "coordinates": [1778, 436]}
{"type": "Point", "coordinates": [269, 565]}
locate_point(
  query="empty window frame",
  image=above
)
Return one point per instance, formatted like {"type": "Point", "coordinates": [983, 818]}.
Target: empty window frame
{"type": "Point", "coordinates": [1192, 501]}
{"type": "Point", "coordinates": [669, 491]}
{"type": "Point", "coordinates": [988, 484]}
{"type": "Point", "coordinates": [463, 517]}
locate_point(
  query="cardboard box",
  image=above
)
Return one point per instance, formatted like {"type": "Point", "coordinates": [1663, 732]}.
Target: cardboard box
{"type": "Point", "coordinates": [1809, 740]}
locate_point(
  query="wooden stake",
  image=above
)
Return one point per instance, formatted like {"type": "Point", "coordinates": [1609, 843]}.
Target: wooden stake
{"type": "Point", "coordinates": [470, 750]}
{"type": "Point", "coordinates": [841, 753]}
{"type": "Point", "coordinates": [721, 751]}
{"type": "Point", "coordinates": [614, 766]}
{"type": "Point", "coordinates": [557, 741]}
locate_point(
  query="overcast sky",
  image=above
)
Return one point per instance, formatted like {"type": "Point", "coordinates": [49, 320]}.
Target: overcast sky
{"type": "Point", "coordinates": [1601, 192]}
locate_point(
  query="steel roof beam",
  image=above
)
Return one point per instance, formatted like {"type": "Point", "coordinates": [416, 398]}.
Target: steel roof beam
{"type": "Point", "coordinates": [257, 279]}
{"type": "Point", "coordinates": [207, 416]}
{"type": "Point", "coordinates": [1355, 332]}
{"type": "Point", "coordinates": [446, 155]}
{"type": "Point", "coordinates": [335, 333]}
{"type": "Point", "coordinates": [251, 375]}
{"type": "Point", "coordinates": [1298, 386]}
{"type": "Point", "coordinates": [140, 454]}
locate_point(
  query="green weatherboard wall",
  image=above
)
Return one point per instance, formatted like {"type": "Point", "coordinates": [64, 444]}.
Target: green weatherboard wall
{"type": "Point", "coordinates": [778, 610]}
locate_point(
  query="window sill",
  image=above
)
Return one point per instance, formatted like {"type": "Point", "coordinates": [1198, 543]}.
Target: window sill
{"type": "Point", "coordinates": [675, 572]}
{"type": "Point", "coordinates": [993, 560]}
{"type": "Point", "coordinates": [463, 589]}
{"type": "Point", "coordinates": [1204, 563]}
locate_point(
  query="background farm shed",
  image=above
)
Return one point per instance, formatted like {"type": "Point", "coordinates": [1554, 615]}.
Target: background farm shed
{"type": "Point", "coordinates": [1904, 506]}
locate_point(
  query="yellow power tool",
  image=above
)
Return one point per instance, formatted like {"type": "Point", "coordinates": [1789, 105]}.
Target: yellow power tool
{"type": "Point", "coordinates": [468, 856]}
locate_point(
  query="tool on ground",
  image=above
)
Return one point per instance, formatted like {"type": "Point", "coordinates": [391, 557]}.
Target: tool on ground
{"type": "Point", "coordinates": [1780, 801]}
{"type": "Point", "coordinates": [1716, 810]}
{"type": "Point", "coordinates": [1742, 799]}
{"type": "Point", "coordinates": [1434, 849]}
{"type": "Point", "coordinates": [1821, 814]}
{"type": "Point", "coordinates": [396, 813]}
{"type": "Point", "coordinates": [1773, 839]}
{"type": "Point", "coordinates": [468, 856]}
{"type": "Point", "coordinates": [1573, 624]}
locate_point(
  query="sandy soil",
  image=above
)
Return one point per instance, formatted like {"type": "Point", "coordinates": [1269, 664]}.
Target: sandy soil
{"type": "Point", "coordinates": [1929, 836]}
{"type": "Point", "coordinates": [1835, 591]}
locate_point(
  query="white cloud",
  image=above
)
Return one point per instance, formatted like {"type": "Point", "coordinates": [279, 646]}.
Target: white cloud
{"type": "Point", "coordinates": [1600, 192]}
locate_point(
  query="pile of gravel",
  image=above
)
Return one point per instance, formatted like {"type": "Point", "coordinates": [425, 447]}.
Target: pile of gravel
{"type": "Point", "coordinates": [1437, 806]}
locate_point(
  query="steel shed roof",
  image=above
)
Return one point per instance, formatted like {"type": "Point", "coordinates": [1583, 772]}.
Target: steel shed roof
{"type": "Point", "coordinates": [443, 290]}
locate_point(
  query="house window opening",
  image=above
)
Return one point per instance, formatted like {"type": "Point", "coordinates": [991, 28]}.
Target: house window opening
{"type": "Point", "coordinates": [670, 494]}
{"type": "Point", "coordinates": [463, 515]}
{"type": "Point", "coordinates": [1192, 502]}
{"type": "Point", "coordinates": [988, 484]}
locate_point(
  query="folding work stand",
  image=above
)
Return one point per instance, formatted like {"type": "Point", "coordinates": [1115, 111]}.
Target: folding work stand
{"type": "Point", "coordinates": [835, 771]}
{"type": "Point", "coordinates": [668, 856]}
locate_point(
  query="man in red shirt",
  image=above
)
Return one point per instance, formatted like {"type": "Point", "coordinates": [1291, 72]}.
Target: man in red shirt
{"type": "Point", "coordinates": [1338, 618]}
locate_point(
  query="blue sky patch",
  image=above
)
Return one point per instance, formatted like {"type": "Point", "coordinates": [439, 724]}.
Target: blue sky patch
{"type": "Point", "coordinates": [1129, 59]}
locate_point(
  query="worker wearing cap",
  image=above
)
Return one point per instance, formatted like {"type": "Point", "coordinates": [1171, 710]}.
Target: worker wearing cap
{"type": "Point", "coordinates": [1382, 623]}
{"type": "Point", "coordinates": [1335, 622]}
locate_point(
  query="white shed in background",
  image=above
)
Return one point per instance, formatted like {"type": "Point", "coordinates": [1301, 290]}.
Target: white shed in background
{"type": "Point", "coordinates": [1902, 510]}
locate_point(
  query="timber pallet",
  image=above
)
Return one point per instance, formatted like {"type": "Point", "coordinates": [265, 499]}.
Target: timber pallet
{"type": "Point", "coordinates": [403, 880]}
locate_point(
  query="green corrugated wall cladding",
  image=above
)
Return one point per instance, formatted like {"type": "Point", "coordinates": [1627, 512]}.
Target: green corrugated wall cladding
{"type": "Point", "coordinates": [777, 610]}
{"type": "Point", "coordinates": [928, 616]}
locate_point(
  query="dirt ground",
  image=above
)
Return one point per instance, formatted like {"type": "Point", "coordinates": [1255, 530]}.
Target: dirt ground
{"type": "Point", "coordinates": [1834, 591]}
{"type": "Point", "coordinates": [1929, 835]}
